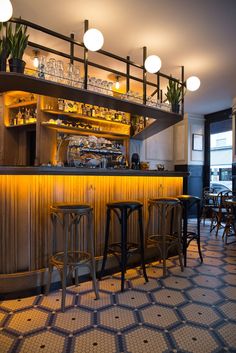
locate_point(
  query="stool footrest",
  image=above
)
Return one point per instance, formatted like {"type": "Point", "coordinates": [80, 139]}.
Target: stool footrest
{"type": "Point", "coordinates": [74, 258]}
{"type": "Point", "coordinates": [116, 247]}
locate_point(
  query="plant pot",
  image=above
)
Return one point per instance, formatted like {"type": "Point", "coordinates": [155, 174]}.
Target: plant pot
{"type": "Point", "coordinates": [175, 107]}
{"type": "Point", "coordinates": [16, 65]}
{"type": "Point", "coordinates": [3, 62]}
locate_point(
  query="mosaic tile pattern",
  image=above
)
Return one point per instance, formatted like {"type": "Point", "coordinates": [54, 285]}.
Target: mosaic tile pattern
{"type": "Point", "coordinates": [191, 311]}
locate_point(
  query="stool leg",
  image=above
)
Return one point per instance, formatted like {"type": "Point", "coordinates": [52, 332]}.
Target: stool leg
{"type": "Point", "coordinates": [148, 222]}
{"type": "Point", "coordinates": [76, 248]}
{"type": "Point", "coordinates": [123, 246]}
{"type": "Point", "coordinates": [185, 235]}
{"type": "Point", "coordinates": [140, 220]}
{"type": "Point", "coordinates": [92, 266]}
{"type": "Point", "coordinates": [50, 268]}
{"type": "Point", "coordinates": [64, 270]}
{"type": "Point", "coordinates": [198, 232]}
{"type": "Point", "coordinates": [106, 243]}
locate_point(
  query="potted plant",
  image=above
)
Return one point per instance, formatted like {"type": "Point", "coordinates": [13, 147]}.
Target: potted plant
{"type": "Point", "coordinates": [174, 95]}
{"type": "Point", "coordinates": [4, 48]}
{"type": "Point", "coordinates": [18, 40]}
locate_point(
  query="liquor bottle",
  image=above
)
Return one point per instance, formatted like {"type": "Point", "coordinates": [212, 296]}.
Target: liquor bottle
{"type": "Point", "coordinates": [19, 118]}
{"type": "Point", "coordinates": [60, 103]}
{"type": "Point", "coordinates": [93, 112]}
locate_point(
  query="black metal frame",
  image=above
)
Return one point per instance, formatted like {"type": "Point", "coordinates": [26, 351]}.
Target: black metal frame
{"type": "Point", "coordinates": [72, 58]}
{"type": "Point", "coordinates": [209, 119]}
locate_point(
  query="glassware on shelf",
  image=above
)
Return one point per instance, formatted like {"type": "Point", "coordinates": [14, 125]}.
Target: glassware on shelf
{"type": "Point", "coordinates": [51, 69]}
{"type": "Point", "coordinates": [59, 71]}
{"type": "Point", "coordinates": [42, 68]}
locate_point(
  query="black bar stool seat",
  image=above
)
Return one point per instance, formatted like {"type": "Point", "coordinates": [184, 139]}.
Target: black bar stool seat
{"type": "Point", "coordinates": [123, 248]}
{"type": "Point", "coordinates": [69, 215]}
{"type": "Point", "coordinates": [188, 202]}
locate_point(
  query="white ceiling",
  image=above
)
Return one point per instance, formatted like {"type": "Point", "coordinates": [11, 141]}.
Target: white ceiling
{"type": "Point", "coordinates": [199, 34]}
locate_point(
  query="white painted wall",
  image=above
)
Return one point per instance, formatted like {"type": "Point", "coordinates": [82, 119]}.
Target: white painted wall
{"type": "Point", "coordinates": [157, 149]}
{"type": "Point", "coordinates": [172, 146]}
{"type": "Point", "coordinates": [183, 140]}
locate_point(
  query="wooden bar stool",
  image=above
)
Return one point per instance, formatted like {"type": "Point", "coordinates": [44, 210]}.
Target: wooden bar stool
{"type": "Point", "coordinates": [123, 249]}
{"type": "Point", "coordinates": [168, 213]}
{"type": "Point", "coordinates": [188, 202]}
{"type": "Point", "coordinates": [68, 260]}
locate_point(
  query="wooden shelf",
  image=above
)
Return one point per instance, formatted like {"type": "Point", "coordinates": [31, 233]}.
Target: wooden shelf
{"type": "Point", "coordinates": [13, 81]}
{"type": "Point", "coordinates": [21, 104]}
{"type": "Point", "coordinates": [85, 117]}
{"type": "Point", "coordinates": [155, 127]}
{"type": "Point", "coordinates": [20, 125]}
{"type": "Point", "coordinates": [78, 131]}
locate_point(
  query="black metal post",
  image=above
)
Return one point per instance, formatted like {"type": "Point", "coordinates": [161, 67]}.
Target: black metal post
{"type": "Point", "coordinates": [127, 73]}
{"type": "Point", "coordinates": [86, 26]}
{"type": "Point", "coordinates": [72, 48]}
{"type": "Point", "coordinates": [158, 86]}
{"type": "Point", "coordinates": [144, 76]}
{"type": "Point", "coordinates": [183, 88]}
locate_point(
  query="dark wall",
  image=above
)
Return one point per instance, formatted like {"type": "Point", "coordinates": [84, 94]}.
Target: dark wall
{"type": "Point", "coordinates": [193, 184]}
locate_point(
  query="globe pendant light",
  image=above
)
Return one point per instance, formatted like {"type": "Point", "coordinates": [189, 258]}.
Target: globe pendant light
{"type": "Point", "coordinates": [152, 64]}
{"type": "Point", "coordinates": [93, 39]}
{"type": "Point", "coordinates": [6, 10]}
{"type": "Point", "coordinates": [193, 83]}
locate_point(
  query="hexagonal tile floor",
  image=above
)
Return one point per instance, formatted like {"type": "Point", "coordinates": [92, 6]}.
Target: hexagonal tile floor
{"type": "Point", "coordinates": [191, 311]}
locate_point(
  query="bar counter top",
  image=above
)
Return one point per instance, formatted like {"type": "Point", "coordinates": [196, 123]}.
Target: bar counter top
{"type": "Point", "coordinates": [45, 170]}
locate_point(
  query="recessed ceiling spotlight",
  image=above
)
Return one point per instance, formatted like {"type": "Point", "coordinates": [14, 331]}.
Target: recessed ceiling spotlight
{"type": "Point", "coordinates": [93, 39]}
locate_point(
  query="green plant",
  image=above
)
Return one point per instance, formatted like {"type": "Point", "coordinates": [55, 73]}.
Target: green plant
{"type": "Point", "coordinates": [18, 40]}
{"type": "Point", "coordinates": [174, 94]}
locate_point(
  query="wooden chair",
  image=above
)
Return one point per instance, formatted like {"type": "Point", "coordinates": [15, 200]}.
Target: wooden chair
{"type": "Point", "coordinates": [219, 212]}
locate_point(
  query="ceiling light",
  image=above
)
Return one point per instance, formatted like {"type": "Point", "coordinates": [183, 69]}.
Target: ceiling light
{"type": "Point", "coordinates": [6, 10]}
{"type": "Point", "coordinates": [93, 39]}
{"type": "Point", "coordinates": [36, 59]}
{"type": "Point", "coordinates": [193, 83]}
{"type": "Point", "coordinates": [117, 83]}
{"type": "Point", "coordinates": [152, 64]}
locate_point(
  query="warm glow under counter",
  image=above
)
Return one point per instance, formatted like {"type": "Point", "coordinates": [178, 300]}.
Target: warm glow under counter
{"type": "Point", "coordinates": [26, 194]}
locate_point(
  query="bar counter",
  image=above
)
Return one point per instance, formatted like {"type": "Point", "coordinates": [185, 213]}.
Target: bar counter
{"type": "Point", "coordinates": [26, 194]}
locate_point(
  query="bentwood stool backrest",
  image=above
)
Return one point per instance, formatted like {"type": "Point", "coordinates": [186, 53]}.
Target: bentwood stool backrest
{"type": "Point", "coordinates": [70, 257]}
{"type": "Point", "coordinates": [166, 234]}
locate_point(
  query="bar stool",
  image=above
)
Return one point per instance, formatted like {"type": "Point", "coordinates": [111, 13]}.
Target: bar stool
{"type": "Point", "coordinates": [69, 216]}
{"type": "Point", "coordinates": [168, 216]}
{"type": "Point", "coordinates": [123, 249]}
{"type": "Point", "coordinates": [188, 201]}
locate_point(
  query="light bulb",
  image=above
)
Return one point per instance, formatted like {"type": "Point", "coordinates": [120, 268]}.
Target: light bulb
{"type": "Point", "coordinates": [117, 85]}
{"type": "Point", "coordinates": [93, 39]}
{"type": "Point", "coordinates": [152, 64]}
{"type": "Point", "coordinates": [36, 62]}
{"type": "Point", "coordinates": [6, 10]}
{"type": "Point", "coordinates": [193, 83]}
